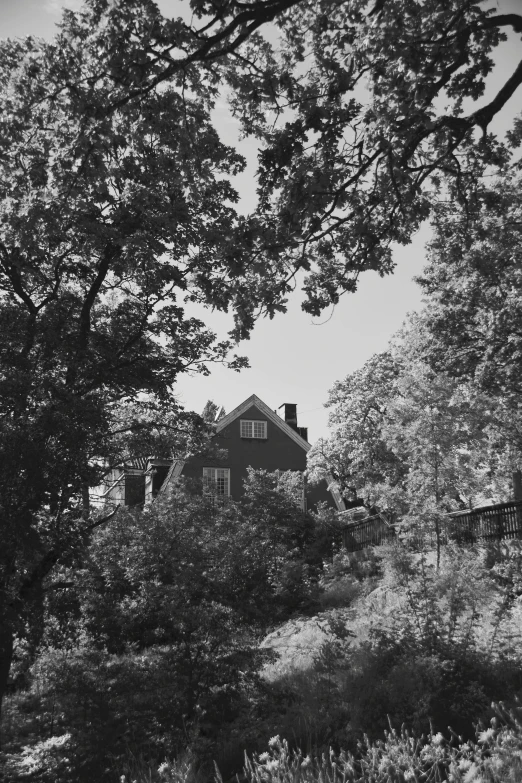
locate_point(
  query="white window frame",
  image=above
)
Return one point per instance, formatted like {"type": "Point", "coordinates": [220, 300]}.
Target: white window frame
{"type": "Point", "coordinates": [253, 429]}
{"type": "Point", "coordinates": [216, 482]}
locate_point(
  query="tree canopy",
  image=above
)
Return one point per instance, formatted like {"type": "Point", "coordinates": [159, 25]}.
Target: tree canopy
{"type": "Point", "coordinates": [416, 442]}
{"type": "Point", "coordinates": [368, 117]}
{"type": "Point", "coordinates": [118, 206]}
{"type": "Point", "coordinates": [347, 104]}
{"type": "Point", "coordinates": [356, 454]}
{"type": "Point", "coordinates": [473, 287]}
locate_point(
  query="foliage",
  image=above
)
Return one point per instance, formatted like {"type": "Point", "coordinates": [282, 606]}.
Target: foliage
{"type": "Point", "coordinates": [183, 769]}
{"type": "Point", "coordinates": [445, 652]}
{"type": "Point", "coordinates": [414, 442]}
{"type": "Point", "coordinates": [118, 206]}
{"type": "Point", "coordinates": [344, 170]}
{"type": "Point", "coordinates": [493, 758]}
{"type": "Point", "coordinates": [212, 412]}
{"type": "Point", "coordinates": [111, 212]}
{"type": "Point", "coordinates": [367, 114]}
{"type": "Point", "coordinates": [469, 328]}
{"type": "Point", "coordinates": [348, 576]}
{"type": "Point", "coordinates": [151, 642]}
{"type": "Point", "coordinates": [444, 431]}
{"type": "Point", "coordinates": [357, 455]}
{"type": "Point", "coordinates": [420, 646]}
{"type": "Point", "coordinates": [473, 287]}
{"type": "Point", "coordinates": [182, 610]}
{"type": "Point", "coordinates": [154, 701]}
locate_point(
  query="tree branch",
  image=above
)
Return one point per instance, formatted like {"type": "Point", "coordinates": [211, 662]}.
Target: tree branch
{"type": "Point", "coordinates": [50, 559]}
{"type": "Point", "coordinates": [111, 251]}
{"type": "Point", "coordinates": [483, 116]}
{"type": "Point", "coordinates": [503, 20]}
{"type": "Point", "coordinates": [256, 16]}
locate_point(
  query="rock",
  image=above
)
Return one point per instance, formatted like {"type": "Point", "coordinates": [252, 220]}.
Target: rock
{"type": "Point", "coordinates": [298, 642]}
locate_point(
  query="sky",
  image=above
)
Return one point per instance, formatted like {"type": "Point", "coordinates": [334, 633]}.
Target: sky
{"type": "Point", "coordinates": [294, 357]}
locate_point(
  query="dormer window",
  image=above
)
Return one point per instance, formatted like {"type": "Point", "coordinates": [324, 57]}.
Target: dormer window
{"type": "Point", "coordinates": [253, 429]}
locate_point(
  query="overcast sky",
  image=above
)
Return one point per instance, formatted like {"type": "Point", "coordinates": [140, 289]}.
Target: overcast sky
{"type": "Point", "coordinates": [293, 358]}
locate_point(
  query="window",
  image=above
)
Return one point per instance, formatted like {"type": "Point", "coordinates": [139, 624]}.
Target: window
{"type": "Point", "coordinates": [216, 481]}
{"type": "Point", "coordinates": [253, 429]}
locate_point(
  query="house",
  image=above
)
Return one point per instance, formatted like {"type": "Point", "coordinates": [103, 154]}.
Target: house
{"type": "Point", "coordinates": [252, 435]}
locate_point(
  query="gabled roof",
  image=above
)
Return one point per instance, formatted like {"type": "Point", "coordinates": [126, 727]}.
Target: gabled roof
{"type": "Point", "coordinates": [266, 411]}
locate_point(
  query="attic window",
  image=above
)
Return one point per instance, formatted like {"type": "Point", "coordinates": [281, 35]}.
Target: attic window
{"type": "Point", "coordinates": [253, 429]}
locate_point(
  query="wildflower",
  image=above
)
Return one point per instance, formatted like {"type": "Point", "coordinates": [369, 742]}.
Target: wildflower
{"type": "Point", "coordinates": [472, 775]}
{"type": "Point", "coordinates": [486, 735]}
{"type": "Point", "coordinates": [306, 762]}
{"type": "Point", "coordinates": [497, 763]}
{"type": "Point", "coordinates": [437, 739]}
{"type": "Point", "coordinates": [264, 757]}
{"type": "Point", "coordinates": [163, 769]}
{"type": "Point", "coordinates": [274, 742]}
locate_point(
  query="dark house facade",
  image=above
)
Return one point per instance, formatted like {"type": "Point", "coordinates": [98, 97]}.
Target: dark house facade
{"type": "Point", "coordinates": [252, 435]}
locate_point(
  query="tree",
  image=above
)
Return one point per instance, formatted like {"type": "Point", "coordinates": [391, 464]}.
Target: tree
{"type": "Point", "coordinates": [117, 204]}
{"type": "Point", "coordinates": [151, 640]}
{"type": "Point", "coordinates": [473, 288]}
{"type": "Point", "coordinates": [414, 442]}
{"type": "Point", "coordinates": [343, 173]}
{"type": "Point", "coordinates": [212, 412]}
{"type": "Point", "coordinates": [438, 428]}
{"type": "Point", "coordinates": [470, 326]}
{"type": "Point", "coordinates": [362, 142]}
{"type": "Point", "coordinates": [356, 454]}
{"type": "Point", "coordinates": [114, 204]}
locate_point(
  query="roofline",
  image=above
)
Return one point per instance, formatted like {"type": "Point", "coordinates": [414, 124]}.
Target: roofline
{"type": "Point", "coordinates": [269, 413]}
{"type": "Point", "coordinates": [175, 470]}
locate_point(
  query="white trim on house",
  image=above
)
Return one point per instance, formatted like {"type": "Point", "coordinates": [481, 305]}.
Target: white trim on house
{"type": "Point", "coordinates": [266, 411]}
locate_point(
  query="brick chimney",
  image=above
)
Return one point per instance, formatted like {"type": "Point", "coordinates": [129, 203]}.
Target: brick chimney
{"type": "Point", "coordinates": [290, 415]}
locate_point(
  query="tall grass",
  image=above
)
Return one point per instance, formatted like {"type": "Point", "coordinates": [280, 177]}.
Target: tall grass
{"type": "Point", "coordinates": [495, 757]}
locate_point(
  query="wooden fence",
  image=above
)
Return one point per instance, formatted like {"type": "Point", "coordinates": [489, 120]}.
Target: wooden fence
{"type": "Point", "coordinates": [489, 523]}
{"type": "Point", "coordinates": [371, 531]}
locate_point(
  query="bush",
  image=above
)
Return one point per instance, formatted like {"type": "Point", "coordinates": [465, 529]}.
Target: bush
{"type": "Point", "coordinates": [445, 651]}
